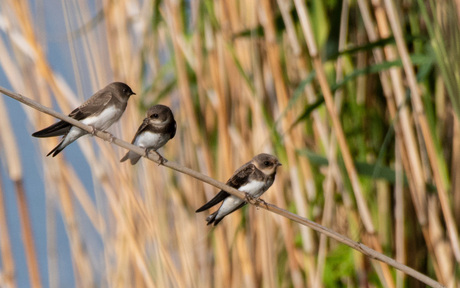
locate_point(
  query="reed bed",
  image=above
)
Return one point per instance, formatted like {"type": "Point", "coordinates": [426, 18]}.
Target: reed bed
{"type": "Point", "coordinates": [357, 99]}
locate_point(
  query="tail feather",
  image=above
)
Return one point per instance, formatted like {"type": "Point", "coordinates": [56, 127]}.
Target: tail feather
{"type": "Point", "coordinates": [68, 139]}
{"type": "Point", "coordinates": [133, 157]}
{"type": "Point", "coordinates": [214, 201]}
{"type": "Point", "coordinates": [212, 219]}
{"type": "Point", "coordinates": [57, 129]}
{"type": "Point", "coordinates": [56, 150]}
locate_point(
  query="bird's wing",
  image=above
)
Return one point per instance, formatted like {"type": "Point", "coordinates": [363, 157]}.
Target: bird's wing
{"type": "Point", "coordinates": [93, 105]}
{"type": "Point", "coordinates": [238, 178]}
{"type": "Point", "coordinates": [173, 132]}
{"type": "Point", "coordinates": [57, 129]}
{"type": "Point", "coordinates": [241, 175]}
{"type": "Point", "coordinates": [145, 124]}
{"type": "Point", "coordinates": [218, 198]}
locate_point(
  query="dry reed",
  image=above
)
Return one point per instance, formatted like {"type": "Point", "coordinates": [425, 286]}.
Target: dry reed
{"type": "Point", "coordinates": [240, 78]}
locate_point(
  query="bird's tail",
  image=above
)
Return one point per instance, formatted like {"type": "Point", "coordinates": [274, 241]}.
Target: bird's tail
{"type": "Point", "coordinates": [211, 219]}
{"type": "Point", "coordinates": [56, 150]}
{"type": "Point", "coordinates": [132, 156]}
{"type": "Point", "coordinates": [72, 135]}
{"type": "Point", "coordinates": [57, 129]}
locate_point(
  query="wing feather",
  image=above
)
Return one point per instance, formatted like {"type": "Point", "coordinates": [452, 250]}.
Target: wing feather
{"type": "Point", "coordinates": [93, 105]}
{"type": "Point", "coordinates": [145, 124]}
{"type": "Point", "coordinates": [238, 178]}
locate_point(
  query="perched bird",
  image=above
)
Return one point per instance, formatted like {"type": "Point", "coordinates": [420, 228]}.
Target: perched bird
{"type": "Point", "coordinates": [100, 111]}
{"type": "Point", "coordinates": [253, 178]}
{"type": "Point", "coordinates": [155, 131]}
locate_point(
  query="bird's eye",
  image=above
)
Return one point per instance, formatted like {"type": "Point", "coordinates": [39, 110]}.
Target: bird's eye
{"type": "Point", "coordinates": [155, 115]}
{"type": "Point", "coordinates": [267, 163]}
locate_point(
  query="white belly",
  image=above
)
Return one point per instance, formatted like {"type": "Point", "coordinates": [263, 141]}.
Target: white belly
{"type": "Point", "coordinates": [103, 120]}
{"type": "Point", "coordinates": [254, 188]}
{"type": "Point", "coordinates": [229, 204]}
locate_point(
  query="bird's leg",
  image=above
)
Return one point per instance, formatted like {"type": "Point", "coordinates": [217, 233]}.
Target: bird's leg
{"type": "Point", "coordinates": [261, 201]}
{"type": "Point", "coordinates": [94, 131]}
{"type": "Point", "coordinates": [253, 200]}
{"type": "Point", "coordinates": [161, 159]}
{"type": "Point", "coordinates": [248, 197]}
{"type": "Point", "coordinates": [147, 151]}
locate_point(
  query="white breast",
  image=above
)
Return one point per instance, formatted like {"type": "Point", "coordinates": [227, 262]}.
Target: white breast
{"type": "Point", "coordinates": [254, 188]}
{"type": "Point", "coordinates": [151, 140]}
{"type": "Point", "coordinates": [105, 119]}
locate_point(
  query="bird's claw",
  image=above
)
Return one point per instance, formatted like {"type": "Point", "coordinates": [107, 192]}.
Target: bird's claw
{"type": "Point", "coordinates": [93, 130]}
{"type": "Point", "coordinates": [253, 200]}
{"type": "Point", "coordinates": [248, 197]}
{"type": "Point", "coordinates": [111, 137]}
{"type": "Point", "coordinates": [261, 201]}
{"type": "Point", "coordinates": [161, 159]}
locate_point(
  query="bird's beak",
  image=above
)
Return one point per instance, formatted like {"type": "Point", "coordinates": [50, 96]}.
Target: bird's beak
{"type": "Point", "coordinates": [279, 164]}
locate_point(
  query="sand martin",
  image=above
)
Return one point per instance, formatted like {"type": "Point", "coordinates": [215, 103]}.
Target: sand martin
{"type": "Point", "coordinates": [100, 111]}
{"type": "Point", "coordinates": [155, 131]}
{"type": "Point", "coordinates": [253, 178]}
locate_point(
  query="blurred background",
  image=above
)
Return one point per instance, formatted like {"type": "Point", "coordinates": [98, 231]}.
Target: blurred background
{"type": "Point", "coordinates": [242, 78]}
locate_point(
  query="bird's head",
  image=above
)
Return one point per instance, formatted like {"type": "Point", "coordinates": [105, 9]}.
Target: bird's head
{"type": "Point", "coordinates": [266, 163]}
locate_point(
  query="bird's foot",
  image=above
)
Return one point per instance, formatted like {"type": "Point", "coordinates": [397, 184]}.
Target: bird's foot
{"type": "Point", "coordinates": [161, 158]}
{"type": "Point", "coordinates": [111, 137]}
{"type": "Point", "coordinates": [248, 197]}
{"type": "Point", "coordinates": [254, 201]}
{"type": "Point", "coordinates": [259, 201]}
{"type": "Point", "coordinates": [93, 130]}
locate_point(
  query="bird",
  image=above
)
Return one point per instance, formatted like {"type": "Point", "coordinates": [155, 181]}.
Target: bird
{"type": "Point", "coordinates": [253, 178]}
{"type": "Point", "coordinates": [100, 111]}
{"type": "Point", "coordinates": [155, 131]}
